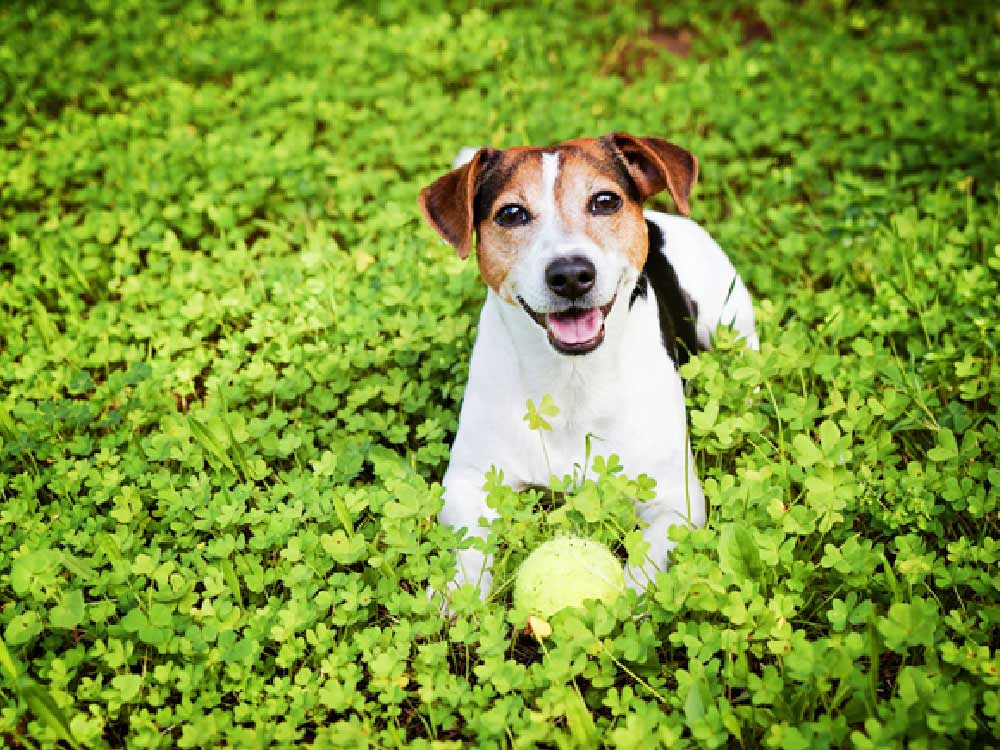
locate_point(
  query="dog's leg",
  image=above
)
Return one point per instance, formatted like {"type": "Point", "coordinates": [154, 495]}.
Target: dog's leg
{"type": "Point", "coordinates": [638, 577]}
{"type": "Point", "coordinates": [464, 506]}
{"type": "Point", "coordinates": [673, 505]}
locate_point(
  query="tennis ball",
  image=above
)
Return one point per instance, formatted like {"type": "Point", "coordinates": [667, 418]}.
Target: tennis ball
{"type": "Point", "coordinates": [564, 572]}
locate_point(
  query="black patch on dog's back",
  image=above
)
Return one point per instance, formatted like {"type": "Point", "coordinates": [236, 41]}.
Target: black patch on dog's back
{"type": "Point", "coordinates": [677, 310]}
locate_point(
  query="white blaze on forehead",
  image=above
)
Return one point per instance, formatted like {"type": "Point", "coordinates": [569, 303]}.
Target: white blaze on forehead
{"type": "Point", "coordinates": [550, 173]}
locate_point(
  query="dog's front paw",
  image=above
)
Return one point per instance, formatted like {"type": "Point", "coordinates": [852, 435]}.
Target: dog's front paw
{"type": "Point", "coordinates": [461, 594]}
{"type": "Point", "coordinates": [640, 577]}
{"type": "Point", "coordinates": [472, 581]}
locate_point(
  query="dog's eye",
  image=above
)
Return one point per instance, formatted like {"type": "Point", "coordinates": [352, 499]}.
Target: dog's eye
{"type": "Point", "coordinates": [604, 203]}
{"type": "Point", "coordinates": [512, 215]}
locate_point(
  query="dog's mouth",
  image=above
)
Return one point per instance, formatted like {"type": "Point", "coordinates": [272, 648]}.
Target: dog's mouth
{"type": "Point", "coordinates": [578, 330]}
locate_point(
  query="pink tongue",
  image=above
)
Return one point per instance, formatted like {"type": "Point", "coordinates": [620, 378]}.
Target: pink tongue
{"type": "Point", "coordinates": [576, 327]}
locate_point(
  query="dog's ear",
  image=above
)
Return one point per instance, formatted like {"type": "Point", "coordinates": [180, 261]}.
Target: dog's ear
{"type": "Point", "coordinates": [656, 164]}
{"type": "Point", "coordinates": [448, 203]}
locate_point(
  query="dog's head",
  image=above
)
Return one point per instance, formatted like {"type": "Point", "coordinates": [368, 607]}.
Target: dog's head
{"type": "Point", "coordinates": [560, 229]}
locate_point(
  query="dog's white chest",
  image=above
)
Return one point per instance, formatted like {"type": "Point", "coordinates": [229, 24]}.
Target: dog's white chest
{"type": "Point", "coordinates": [627, 397]}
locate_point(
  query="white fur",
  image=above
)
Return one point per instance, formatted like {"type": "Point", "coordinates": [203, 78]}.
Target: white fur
{"type": "Point", "coordinates": [464, 156]}
{"type": "Point", "coordinates": [550, 173]}
{"type": "Point", "coordinates": [627, 392]}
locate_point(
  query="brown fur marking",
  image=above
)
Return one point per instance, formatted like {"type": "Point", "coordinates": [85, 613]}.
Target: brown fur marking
{"type": "Point", "coordinates": [633, 168]}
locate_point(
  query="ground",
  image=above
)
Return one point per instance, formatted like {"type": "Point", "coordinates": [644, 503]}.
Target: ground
{"type": "Point", "coordinates": [231, 358]}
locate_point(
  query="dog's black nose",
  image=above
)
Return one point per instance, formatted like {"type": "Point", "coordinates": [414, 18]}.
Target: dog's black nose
{"type": "Point", "coordinates": [571, 277]}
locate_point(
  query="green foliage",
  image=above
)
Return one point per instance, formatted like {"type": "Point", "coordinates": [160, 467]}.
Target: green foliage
{"type": "Point", "coordinates": [231, 359]}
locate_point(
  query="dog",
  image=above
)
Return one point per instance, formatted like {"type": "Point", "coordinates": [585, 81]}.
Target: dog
{"type": "Point", "coordinates": [590, 299]}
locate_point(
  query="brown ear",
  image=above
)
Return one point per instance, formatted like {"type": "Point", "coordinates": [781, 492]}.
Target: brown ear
{"type": "Point", "coordinates": [656, 164]}
{"type": "Point", "coordinates": [447, 203]}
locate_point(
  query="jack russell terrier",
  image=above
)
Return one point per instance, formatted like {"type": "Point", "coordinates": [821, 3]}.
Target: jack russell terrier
{"type": "Point", "coordinates": [592, 300]}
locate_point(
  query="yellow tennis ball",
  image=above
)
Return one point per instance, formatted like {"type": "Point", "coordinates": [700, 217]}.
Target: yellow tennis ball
{"type": "Point", "coordinates": [565, 572]}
